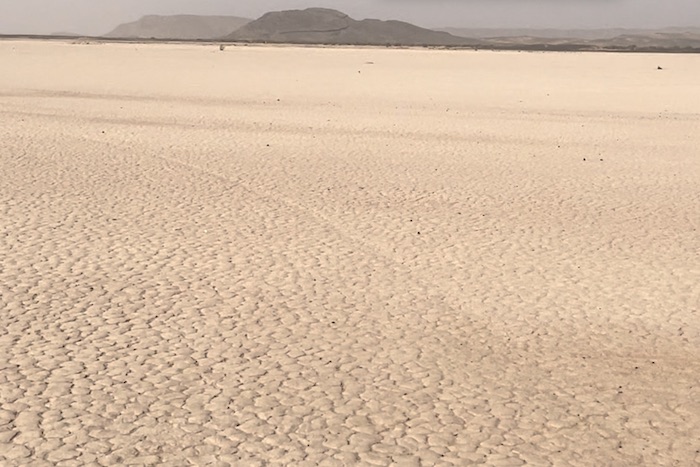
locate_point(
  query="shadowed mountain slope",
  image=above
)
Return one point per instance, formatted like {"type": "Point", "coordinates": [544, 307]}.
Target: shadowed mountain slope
{"type": "Point", "coordinates": [325, 26]}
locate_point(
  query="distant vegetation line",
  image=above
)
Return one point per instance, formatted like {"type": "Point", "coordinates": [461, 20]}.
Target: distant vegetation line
{"type": "Point", "coordinates": [493, 47]}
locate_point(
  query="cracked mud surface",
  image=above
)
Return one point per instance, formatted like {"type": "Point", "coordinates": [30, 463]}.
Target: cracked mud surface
{"type": "Point", "coordinates": [262, 257]}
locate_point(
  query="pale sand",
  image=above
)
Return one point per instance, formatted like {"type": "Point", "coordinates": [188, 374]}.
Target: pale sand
{"type": "Point", "coordinates": [215, 257]}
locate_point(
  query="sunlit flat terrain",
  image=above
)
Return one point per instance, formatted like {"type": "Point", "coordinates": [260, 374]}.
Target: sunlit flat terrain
{"type": "Point", "coordinates": [336, 256]}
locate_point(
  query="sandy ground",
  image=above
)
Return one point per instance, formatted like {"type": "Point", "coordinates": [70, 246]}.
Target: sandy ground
{"type": "Point", "coordinates": [289, 256]}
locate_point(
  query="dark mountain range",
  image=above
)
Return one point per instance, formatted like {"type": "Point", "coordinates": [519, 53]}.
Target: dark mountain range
{"type": "Point", "coordinates": [325, 26]}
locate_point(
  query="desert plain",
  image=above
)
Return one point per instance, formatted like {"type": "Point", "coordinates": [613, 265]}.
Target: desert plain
{"type": "Point", "coordinates": [347, 256]}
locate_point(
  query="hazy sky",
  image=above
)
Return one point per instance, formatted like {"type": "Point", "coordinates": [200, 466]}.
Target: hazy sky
{"type": "Point", "coordinates": [100, 16]}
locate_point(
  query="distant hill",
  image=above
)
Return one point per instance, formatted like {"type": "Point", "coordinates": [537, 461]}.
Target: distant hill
{"type": "Point", "coordinates": [647, 41]}
{"type": "Point", "coordinates": [586, 34]}
{"type": "Point", "coordinates": [325, 26]}
{"type": "Point", "coordinates": [184, 27]}
{"type": "Point", "coordinates": [664, 40]}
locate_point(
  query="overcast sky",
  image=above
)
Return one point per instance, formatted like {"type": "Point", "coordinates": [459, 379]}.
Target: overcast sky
{"type": "Point", "coordinates": [100, 16]}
